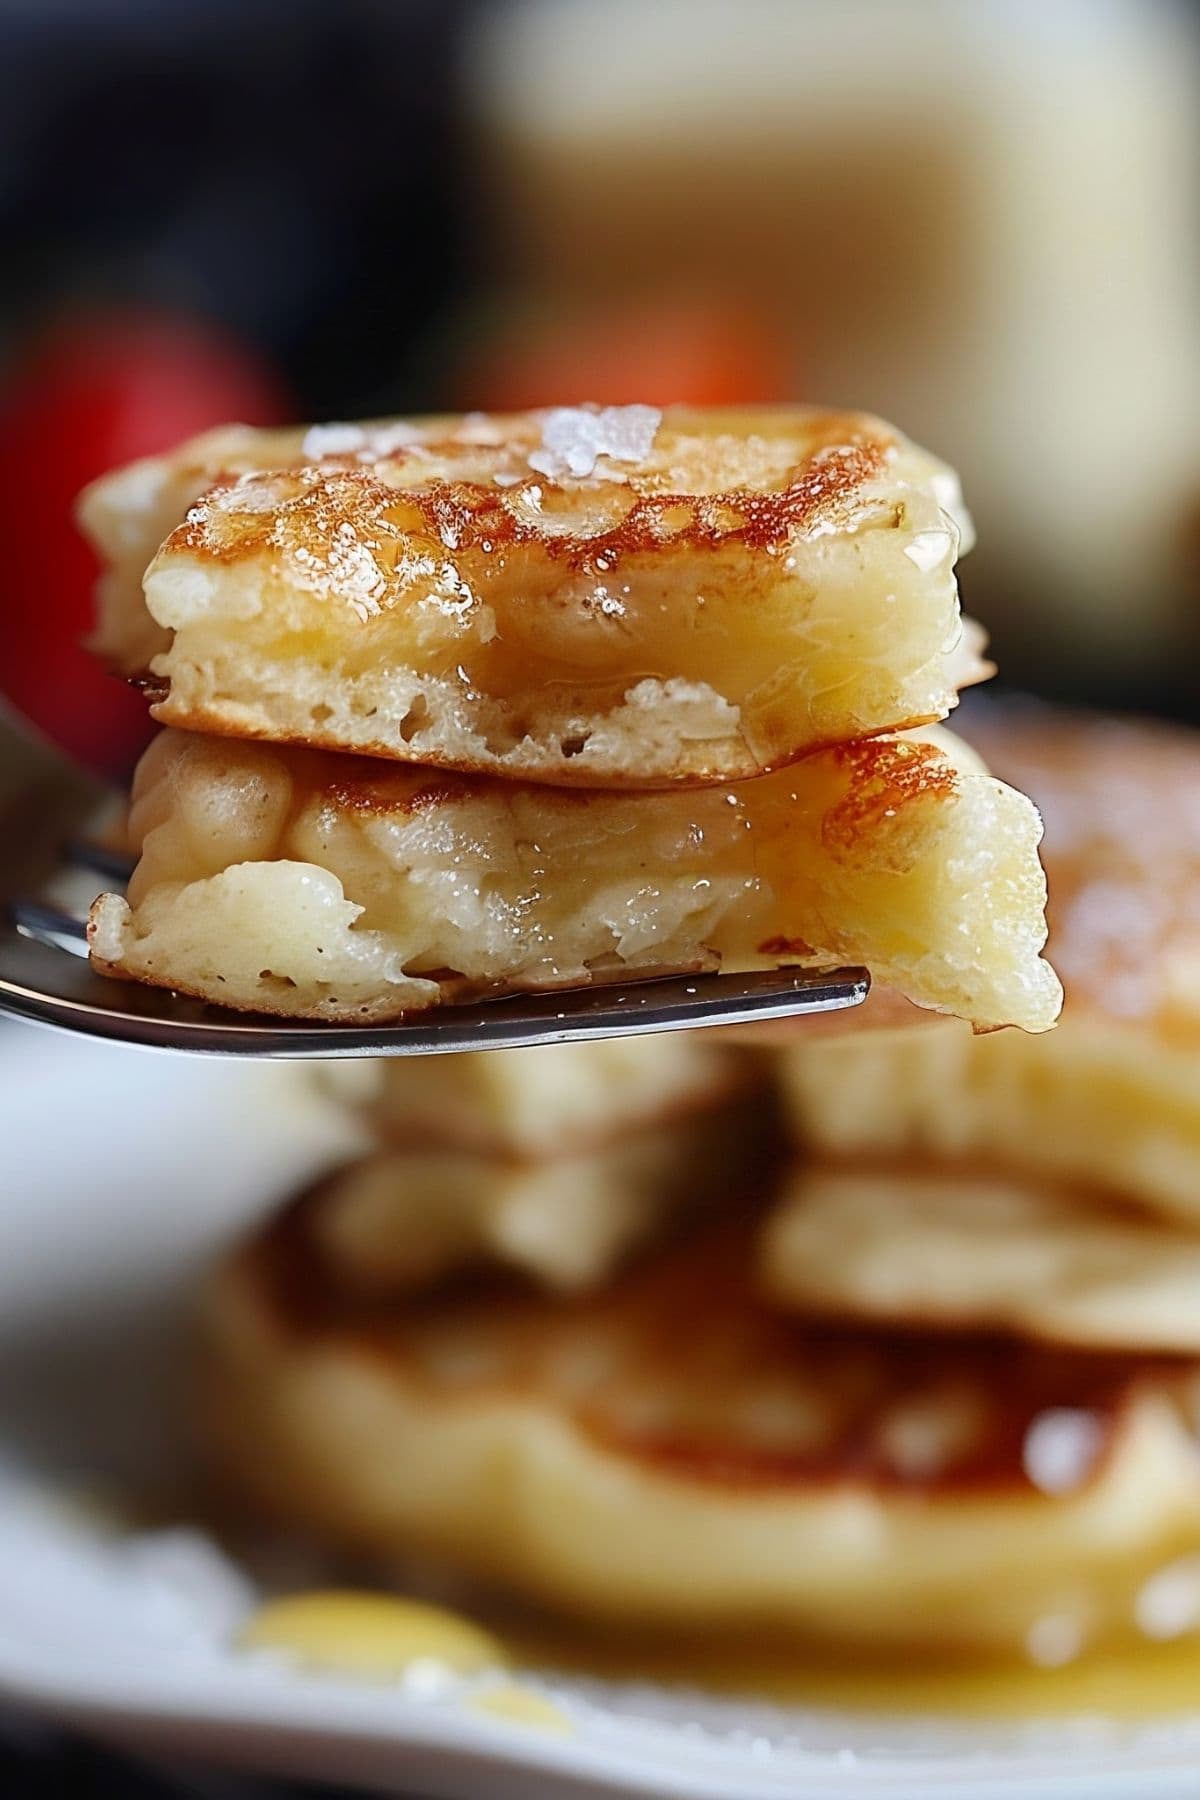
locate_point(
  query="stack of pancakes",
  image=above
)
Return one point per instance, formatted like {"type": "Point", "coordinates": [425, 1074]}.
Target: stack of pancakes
{"type": "Point", "coordinates": [486, 705]}
{"type": "Point", "coordinates": [480, 705]}
{"type": "Point", "coordinates": [922, 1373]}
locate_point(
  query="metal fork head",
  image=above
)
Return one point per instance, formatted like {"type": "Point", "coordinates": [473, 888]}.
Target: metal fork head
{"type": "Point", "coordinates": [40, 980]}
{"type": "Point", "coordinates": [45, 976]}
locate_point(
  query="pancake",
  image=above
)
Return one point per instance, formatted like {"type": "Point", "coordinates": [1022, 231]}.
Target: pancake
{"type": "Point", "coordinates": [1112, 1098]}
{"type": "Point", "coordinates": [672, 1453]}
{"type": "Point", "coordinates": [552, 1100]}
{"type": "Point", "coordinates": [299, 883]}
{"type": "Point", "coordinates": [585, 597]}
{"type": "Point", "coordinates": [950, 1249]}
{"type": "Point", "coordinates": [400, 1220]}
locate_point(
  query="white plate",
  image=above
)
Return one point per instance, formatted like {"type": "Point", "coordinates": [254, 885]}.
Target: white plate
{"type": "Point", "coordinates": [121, 1173]}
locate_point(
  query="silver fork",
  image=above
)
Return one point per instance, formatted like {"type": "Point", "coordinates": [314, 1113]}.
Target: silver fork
{"type": "Point", "coordinates": [48, 847]}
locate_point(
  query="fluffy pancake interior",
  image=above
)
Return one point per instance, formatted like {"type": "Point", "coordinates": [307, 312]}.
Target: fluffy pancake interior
{"type": "Point", "coordinates": [285, 881]}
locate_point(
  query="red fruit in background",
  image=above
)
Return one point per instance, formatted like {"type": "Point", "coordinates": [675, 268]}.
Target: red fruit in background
{"type": "Point", "coordinates": [89, 393]}
{"type": "Point", "coordinates": [695, 349]}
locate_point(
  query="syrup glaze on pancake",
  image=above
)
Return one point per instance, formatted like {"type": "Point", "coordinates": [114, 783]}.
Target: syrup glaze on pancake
{"type": "Point", "coordinates": [314, 514]}
{"type": "Point", "coordinates": [681, 1366]}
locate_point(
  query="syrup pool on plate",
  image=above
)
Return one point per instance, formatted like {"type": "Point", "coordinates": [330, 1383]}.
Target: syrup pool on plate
{"type": "Point", "coordinates": [379, 1636]}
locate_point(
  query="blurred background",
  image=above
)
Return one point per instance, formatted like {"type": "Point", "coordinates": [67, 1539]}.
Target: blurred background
{"type": "Point", "coordinates": [978, 217]}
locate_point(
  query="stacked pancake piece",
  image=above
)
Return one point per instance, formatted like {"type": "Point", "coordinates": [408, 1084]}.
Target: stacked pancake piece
{"type": "Point", "coordinates": [924, 1378]}
{"type": "Point", "coordinates": [493, 704]}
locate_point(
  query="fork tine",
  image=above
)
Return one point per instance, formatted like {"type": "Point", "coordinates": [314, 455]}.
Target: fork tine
{"type": "Point", "coordinates": [49, 925]}
{"type": "Point", "coordinates": [39, 984]}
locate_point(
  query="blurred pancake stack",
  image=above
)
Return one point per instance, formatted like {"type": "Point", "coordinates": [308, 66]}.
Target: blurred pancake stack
{"type": "Point", "coordinates": [1040, 1194]}
{"type": "Point", "coordinates": [911, 1367]}
{"type": "Point", "coordinates": [553, 1163]}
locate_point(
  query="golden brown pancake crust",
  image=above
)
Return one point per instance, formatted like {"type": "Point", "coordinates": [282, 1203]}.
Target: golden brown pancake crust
{"type": "Point", "coordinates": [399, 494]}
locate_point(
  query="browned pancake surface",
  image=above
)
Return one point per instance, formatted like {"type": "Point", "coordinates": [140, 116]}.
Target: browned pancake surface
{"type": "Point", "coordinates": [680, 1365]}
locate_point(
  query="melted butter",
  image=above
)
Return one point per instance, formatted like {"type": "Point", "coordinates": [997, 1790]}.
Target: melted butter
{"type": "Point", "coordinates": [374, 1635]}
{"type": "Point", "coordinates": [520, 1705]}
{"type": "Point", "coordinates": [381, 1635]}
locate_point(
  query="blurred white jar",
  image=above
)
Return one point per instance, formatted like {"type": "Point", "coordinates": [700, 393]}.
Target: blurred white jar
{"type": "Point", "coordinates": [983, 217]}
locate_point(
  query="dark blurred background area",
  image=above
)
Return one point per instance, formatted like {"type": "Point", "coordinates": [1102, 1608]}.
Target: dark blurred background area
{"type": "Point", "coordinates": [980, 218]}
